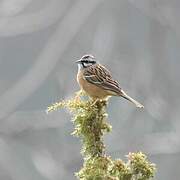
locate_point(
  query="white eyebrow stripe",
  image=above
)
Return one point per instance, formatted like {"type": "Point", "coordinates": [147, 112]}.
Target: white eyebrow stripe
{"type": "Point", "coordinates": [90, 76]}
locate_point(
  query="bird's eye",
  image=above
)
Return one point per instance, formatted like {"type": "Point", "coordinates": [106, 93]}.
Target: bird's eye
{"type": "Point", "coordinates": [85, 61]}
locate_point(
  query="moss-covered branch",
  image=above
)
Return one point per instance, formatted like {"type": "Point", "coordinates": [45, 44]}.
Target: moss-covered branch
{"type": "Point", "coordinates": [90, 120]}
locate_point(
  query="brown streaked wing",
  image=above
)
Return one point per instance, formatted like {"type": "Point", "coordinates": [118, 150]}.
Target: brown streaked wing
{"type": "Point", "coordinates": [100, 76]}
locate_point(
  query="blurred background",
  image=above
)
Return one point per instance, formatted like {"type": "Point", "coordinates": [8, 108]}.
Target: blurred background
{"type": "Point", "coordinates": [139, 41]}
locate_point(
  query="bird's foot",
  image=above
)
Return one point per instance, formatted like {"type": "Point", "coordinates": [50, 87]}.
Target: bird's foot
{"type": "Point", "coordinates": [94, 102]}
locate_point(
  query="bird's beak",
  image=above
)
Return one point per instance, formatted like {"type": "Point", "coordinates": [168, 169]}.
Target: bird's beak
{"type": "Point", "coordinates": [78, 61]}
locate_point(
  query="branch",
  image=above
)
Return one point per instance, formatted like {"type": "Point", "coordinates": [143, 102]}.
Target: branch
{"type": "Point", "coordinates": [90, 120]}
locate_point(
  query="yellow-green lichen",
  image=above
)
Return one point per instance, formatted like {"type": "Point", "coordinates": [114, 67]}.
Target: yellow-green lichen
{"type": "Point", "coordinates": [90, 121]}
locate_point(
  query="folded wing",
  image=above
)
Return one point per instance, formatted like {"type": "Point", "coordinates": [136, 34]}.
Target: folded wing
{"type": "Point", "coordinates": [100, 76]}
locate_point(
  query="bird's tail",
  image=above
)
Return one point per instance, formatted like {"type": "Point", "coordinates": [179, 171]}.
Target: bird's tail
{"type": "Point", "coordinates": [137, 104]}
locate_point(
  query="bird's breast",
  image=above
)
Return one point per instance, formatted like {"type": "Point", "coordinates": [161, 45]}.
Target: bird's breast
{"type": "Point", "coordinates": [91, 89]}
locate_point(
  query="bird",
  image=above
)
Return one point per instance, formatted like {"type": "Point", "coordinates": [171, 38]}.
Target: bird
{"type": "Point", "coordinates": [97, 81]}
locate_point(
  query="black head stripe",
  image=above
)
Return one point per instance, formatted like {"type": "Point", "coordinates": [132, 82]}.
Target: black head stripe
{"type": "Point", "coordinates": [88, 57]}
{"type": "Point", "coordinates": [87, 60]}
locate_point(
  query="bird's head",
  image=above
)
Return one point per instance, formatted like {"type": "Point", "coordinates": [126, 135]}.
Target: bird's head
{"type": "Point", "coordinates": [86, 61]}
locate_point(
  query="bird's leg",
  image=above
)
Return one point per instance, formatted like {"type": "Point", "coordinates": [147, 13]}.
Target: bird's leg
{"type": "Point", "coordinates": [95, 100]}
{"type": "Point", "coordinates": [78, 94]}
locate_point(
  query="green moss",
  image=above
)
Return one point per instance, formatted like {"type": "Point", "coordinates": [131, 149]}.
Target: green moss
{"type": "Point", "coordinates": [90, 121]}
{"type": "Point", "coordinates": [140, 166]}
{"type": "Point", "coordinates": [121, 170]}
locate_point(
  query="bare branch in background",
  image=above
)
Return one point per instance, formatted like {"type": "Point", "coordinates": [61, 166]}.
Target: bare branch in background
{"type": "Point", "coordinates": [34, 120]}
{"type": "Point", "coordinates": [165, 12]}
{"type": "Point", "coordinates": [12, 7]}
{"type": "Point", "coordinates": [13, 165]}
{"type": "Point", "coordinates": [104, 38]}
{"type": "Point", "coordinates": [28, 23]}
{"type": "Point", "coordinates": [156, 143]}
